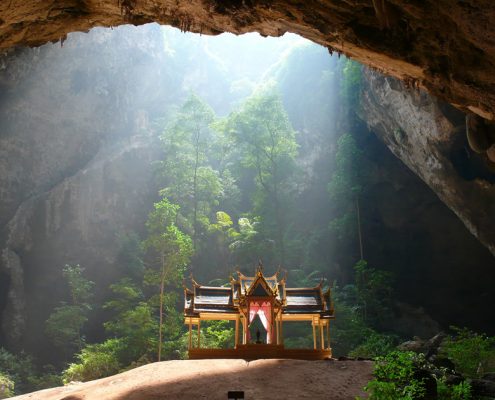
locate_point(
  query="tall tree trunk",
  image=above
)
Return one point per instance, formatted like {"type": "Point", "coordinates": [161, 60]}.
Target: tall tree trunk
{"type": "Point", "coordinates": [280, 228]}
{"type": "Point", "coordinates": [359, 229]}
{"type": "Point", "coordinates": [160, 333]}
{"type": "Point", "coordinates": [279, 219]}
{"type": "Point", "coordinates": [195, 187]}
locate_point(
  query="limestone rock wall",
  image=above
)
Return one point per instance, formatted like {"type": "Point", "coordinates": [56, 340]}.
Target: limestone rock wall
{"type": "Point", "coordinates": [430, 138]}
{"type": "Point", "coordinates": [76, 151]}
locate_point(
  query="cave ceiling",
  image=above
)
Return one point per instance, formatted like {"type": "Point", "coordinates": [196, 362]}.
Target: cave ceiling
{"type": "Point", "coordinates": [444, 46]}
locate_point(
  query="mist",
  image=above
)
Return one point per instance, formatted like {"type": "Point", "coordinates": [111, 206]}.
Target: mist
{"type": "Point", "coordinates": [258, 148]}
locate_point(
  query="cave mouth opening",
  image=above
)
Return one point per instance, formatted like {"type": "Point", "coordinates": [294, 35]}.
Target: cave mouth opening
{"type": "Point", "coordinates": [126, 79]}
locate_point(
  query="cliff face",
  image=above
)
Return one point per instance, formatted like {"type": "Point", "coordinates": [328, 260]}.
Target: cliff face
{"type": "Point", "coordinates": [441, 272]}
{"type": "Point", "coordinates": [75, 167]}
{"type": "Point", "coordinates": [430, 138]}
{"type": "Point", "coordinates": [447, 47]}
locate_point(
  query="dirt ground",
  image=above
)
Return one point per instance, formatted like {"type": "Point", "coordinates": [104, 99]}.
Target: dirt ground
{"type": "Point", "coordinates": [212, 379]}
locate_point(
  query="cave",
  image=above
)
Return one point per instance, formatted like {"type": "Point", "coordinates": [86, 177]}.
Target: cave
{"type": "Point", "coordinates": [423, 124]}
{"type": "Point", "coordinates": [443, 47]}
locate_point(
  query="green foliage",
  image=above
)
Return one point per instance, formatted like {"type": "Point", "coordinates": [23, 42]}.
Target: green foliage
{"type": "Point", "coordinates": [174, 249]}
{"type": "Point", "coordinates": [301, 278]}
{"type": "Point", "coordinates": [346, 186]}
{"type": "Point", "coordinates": [136, 327]}
{"type": "Point", "coordinates": [266, 138]}
{"type": "Point", "coordinates": [349, 329]}
{"type": "Point", "coordinates": [47, 378]}
{"type": "Point", "coordinates": [361, 309]}
{"type": "Point", "coordinates": [65, 323]}
{"type": "Point", "coordinates": [21, 370]}
{"type": "Point", "coordinates": [64, 326]}
{"type": "Point", "coordinates": [6, 386]}
{"type": "Point", "coordinates": [189, 178]}
{"type": "Point", "coordinates": [395, 377]}
{"type": "Point", "coordinates": [298, 335]}
{"type": "Point", "coordinates": [375, 345]}
{"type": "Point", "coordinates": [218, 334]}
{"type": "Point", "coordinates": [461, 391]}
{"type": "Point", "coordinates": [130, 256]}
{"type": "Point", "coordinates": [299, 340]}
{"type": "Point", "coordinates": [344, 227]}
{"type": "Point", "coordinates": [374, 293]}
{"type": "Point", "coordinates": [248, 240]}
{"type": "Point", "coordinates": [351, 83]}
{"type": "Point", "coordinates": [214, 335]}
{"type": "Point", "coordinates": [164, 214]}
{"type": "Point", "coordinates": [347, 179]}
{"type": "Point", "coordinates": [263, 139]}
{"type": "Point", "coordinates": [95, 361]}
{"type": "Point", "coordinates": [473, 354]}
{"type": "Point", "coordinates": [81, 289]}
{"type": "Point", "coordinates": [166, 239]}
{"type": "Point", "coordinates": [126, 294]}
{"type": "Point", "coordinates": [17, 367]}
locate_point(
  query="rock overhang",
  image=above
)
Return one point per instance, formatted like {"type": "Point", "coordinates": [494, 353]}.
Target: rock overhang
{"type": "Point", "coordinates": [447, 48]}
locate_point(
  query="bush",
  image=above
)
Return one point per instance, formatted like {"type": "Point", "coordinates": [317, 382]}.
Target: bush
{"type": "Point", "coordinates": [6, 386]}
{"type": "Point", "coordinates": [473, 354]}
{"type": "Point", "coordinates": [375, 345]}
{"type": "Point", "coordinates": [214, 335]}
{"type": "Point", "coordinates": [461, 391]}
{"type": "Point", "coordinates": [95, 361]}
{"type": "Point", "coordinates": [19, 368]}
{"type": "Point", "coordinates": [48, 378]}
{"type": "Point", "coordinates": [349, 330]}
{"type": "Point", "coordinates": [405, 376]}
{"type": "Point", "coordinates": [395, 377]}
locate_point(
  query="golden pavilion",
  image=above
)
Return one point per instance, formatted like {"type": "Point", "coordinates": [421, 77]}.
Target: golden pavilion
{"type": "Point", "coordinates": [267, 298]}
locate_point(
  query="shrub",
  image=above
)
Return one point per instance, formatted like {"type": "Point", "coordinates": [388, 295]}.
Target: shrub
{"type": "Point", "coordinates": [375, 345]}
{"type": "Point", "coordinates": [19, 368]}
{"type": "Point", "coordinates": [48, 378]}
{"type": "Point", "coordinates": [395, 377]}
{"type": "Point", "coordinates": [349, 330]}
{"type": "Point", "coordinates": [473, 354]}
{"type": "Point", "coordinates": [6, 386]}
{"type": "Point", "coordinates": [214, 334]}
{"type": "Point", "coordinates": [461, 391]}
{"type": "Point", "coordinates": [95, 361]}
{"type": "Point", "coordinates": [404, 376]}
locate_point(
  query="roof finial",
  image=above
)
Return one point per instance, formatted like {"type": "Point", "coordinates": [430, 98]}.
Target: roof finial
{"type": "Point", "coordinates": [260, 266]}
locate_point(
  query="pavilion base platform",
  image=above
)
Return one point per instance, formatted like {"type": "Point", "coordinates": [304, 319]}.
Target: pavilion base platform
{"type": "Point", "coordinates": [260, 351]}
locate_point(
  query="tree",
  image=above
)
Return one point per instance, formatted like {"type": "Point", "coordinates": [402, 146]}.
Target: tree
{"type": "Point", "coordinates": [65, 323]}
{"type": "Point", "coordinates": [190, 180]}
{"type": "Point", "coordinates": [224, 233]}
{"type": "Point", "coordinates": [346, 186]}
{"type": "Point", "coordinates": [81, 289]}
{"type": "Point", "coordinates": [350, 89]}
{"type": "Point", "coordinates": [137, 327]}
{"type": "Point", "coordinates": [374, 293]}
{"type": "Point", "coordinates": [173, 249]}
{"type": "Point", "coordinates": [130, 256]}
{"type": "Point", "coordinates": [265, 143]}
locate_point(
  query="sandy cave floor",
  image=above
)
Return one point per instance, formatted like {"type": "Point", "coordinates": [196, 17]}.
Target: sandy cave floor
{"type": "Point", "coordinates": [212, 379]}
